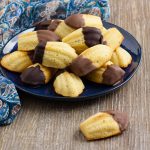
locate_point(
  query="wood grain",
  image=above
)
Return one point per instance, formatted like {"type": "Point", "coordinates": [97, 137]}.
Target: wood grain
{"type": "Point", "coordinates": [43, 125]}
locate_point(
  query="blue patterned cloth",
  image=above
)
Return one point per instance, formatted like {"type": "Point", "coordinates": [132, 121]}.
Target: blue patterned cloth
{"type": "Point", "coordinates": [9, 101]}
{"type": "Point", "coordinates": [19, 15]}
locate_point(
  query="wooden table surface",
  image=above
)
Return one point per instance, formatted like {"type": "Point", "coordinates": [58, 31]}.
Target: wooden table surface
{"type": "Point", "coordinates": [44, 125]}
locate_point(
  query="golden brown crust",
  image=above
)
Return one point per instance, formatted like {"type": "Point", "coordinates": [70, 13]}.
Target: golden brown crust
{"type": "Point", "coordinates": [16, 61]}
{"type": "Point", "coordinates": [104, 124]}
{"type": "Point", "coordinates": [68, 84]}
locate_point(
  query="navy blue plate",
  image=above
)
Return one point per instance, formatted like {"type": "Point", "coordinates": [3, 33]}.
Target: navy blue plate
{"type": "Point", "coordinates": [92, 90]}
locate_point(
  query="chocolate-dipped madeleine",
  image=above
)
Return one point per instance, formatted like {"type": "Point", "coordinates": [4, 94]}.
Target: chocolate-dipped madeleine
{"type": "Point", "coordinates": [28, 41]}
{"type": "Point", "coordinates": [54, 54]}
{"type": "Point", "coordinates": [77, 21]}
{"type": "Point", "coordinates": [104, 124]}
{"type": "Point", "coordinates": [108, 74]}
{"type": "Point", "coordinates": [36, 75]}
{"type": "Point", "coordinates": [91, 59]}
{"type": "Point", "coordinates": [17, 61]}
{"type": "Point", "coordinates": [84, 38]}
{"type": "Point", "coordinates": [113, 38]}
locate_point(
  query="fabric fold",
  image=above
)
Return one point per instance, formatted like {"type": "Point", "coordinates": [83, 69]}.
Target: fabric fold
{"type": "Point", "coordinates": [9, 101]}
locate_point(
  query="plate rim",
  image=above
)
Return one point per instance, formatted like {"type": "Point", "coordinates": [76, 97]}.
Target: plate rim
{"type": "Point", "coordinates": [82, 98]}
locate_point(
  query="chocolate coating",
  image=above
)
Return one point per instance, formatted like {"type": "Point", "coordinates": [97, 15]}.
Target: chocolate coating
{"type": "Point", "coordinates": [75, 21]}
{"type": "Point", "coordinates": [46, 35]}
{"type": "Point", "coordinates": [92, 36]}
{"type": "Point", "coordinates": [33, 76]}
{"type": "Point", "coordinates": [81, 66]}
{"type": "Point", "coordinates": [121, 118]}
{"type": "Point", "coordinates": [113, 74]}
{"type": "Point", "coordinates": [39, 52]}
{"type": "Point", "coordinates": [42, 25]}
{"type": "Point", "coordinates": [54, 24]}
{"type": "Point", "coordinates": [30, 54]}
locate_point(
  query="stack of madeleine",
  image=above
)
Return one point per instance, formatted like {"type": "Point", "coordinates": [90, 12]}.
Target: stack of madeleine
{"type": "Point", "coordinates": [67, 51]}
